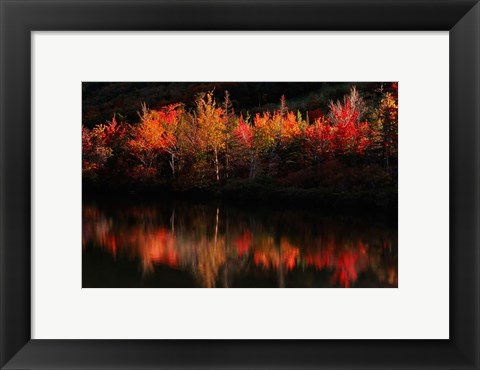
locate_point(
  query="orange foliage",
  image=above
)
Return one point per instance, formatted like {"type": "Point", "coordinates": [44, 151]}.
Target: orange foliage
{"type": "Point", "coordinates": [139, 235]}
{"type": "Point", "coordinates": [206, 143]}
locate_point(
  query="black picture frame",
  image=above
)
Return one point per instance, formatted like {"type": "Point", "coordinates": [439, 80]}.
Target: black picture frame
{"type": "Point", "coordinates": [18, 18]}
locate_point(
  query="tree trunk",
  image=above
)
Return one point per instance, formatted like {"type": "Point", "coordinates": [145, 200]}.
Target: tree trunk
{"type": "Point", "coordinates": [172, 164]}
{"type": "Point", "coordinates": [217, 169]}
{"type": "Point", "coordinates": [253, 167]}
{"type": "Point", "coordinates": [226, 161]}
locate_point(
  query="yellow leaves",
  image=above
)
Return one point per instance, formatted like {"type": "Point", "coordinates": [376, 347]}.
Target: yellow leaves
{"type": "Point", "coordinates": [211, 123]}
{"type": "Point", "coordinates": [265, 130]}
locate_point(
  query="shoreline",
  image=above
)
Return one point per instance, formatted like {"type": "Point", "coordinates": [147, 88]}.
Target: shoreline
{"type": "Point", "coordinates": [255, 193]}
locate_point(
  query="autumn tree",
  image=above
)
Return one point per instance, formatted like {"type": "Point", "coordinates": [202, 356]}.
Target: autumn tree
{"type": "Point", "coordinates": [95, 150]}
{"type": "Point", "coordinates": [243, 146]}
{"type": "Point", "coordinates": [208, 143]}
{"type": "Point", "coordinates": [171, 119]}
{"type": "Point", "coordinates": [291, 140]}
{"type": "Point", "coordinates": [318, 140]}
{"type": "Point", "coordinates": [266, 130]}
{"type": "Point", "coordinates": [229, 117]}
{"type": "Point", "coordinates": [212, 127]}
{"type": "Point", "coordinates": [387, 120]}
{"type": "Point", "coordinates": [150, 139]}
{"type": "Point", "coordinates": [350, 135]}
{"type": "Point", "coordinates": [117, 135]}
{"type": "Point", "coordinates": [352, 109]}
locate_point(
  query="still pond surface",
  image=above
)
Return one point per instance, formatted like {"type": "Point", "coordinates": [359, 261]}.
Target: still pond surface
{"type": "Point", "coordinates": [189, 244]}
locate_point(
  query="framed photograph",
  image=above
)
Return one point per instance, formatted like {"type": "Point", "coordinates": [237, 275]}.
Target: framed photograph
{"type": "Point", "coordinates": [251, 184]}
{"type": "Point", "coordinates": [174, 197]}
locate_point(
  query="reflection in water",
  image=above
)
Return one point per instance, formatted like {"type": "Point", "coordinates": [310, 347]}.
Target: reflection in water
{"type": "Point", "coordinates": [212, 245]}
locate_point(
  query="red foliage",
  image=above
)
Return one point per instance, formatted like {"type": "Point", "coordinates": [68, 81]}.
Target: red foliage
{"type": "Point", "coordinates": [244, 133]}
{"type": "Point", "coordinates": [243, 243]}
{"type": "Point", "coordinates": [275, 143]}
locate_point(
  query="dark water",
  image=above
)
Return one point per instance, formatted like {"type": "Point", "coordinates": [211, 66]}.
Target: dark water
{"type": "Point", "coordinates": [181, 244]}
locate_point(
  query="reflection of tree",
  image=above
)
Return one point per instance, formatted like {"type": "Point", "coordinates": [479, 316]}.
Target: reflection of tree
{"type": "Point", "coordinates": [210, 257]}
{"type": "Point", "coordinates": [216, 245]}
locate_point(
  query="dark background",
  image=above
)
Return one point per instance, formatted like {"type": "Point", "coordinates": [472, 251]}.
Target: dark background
{"type": "Point", "coordinates": [101, 100]}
